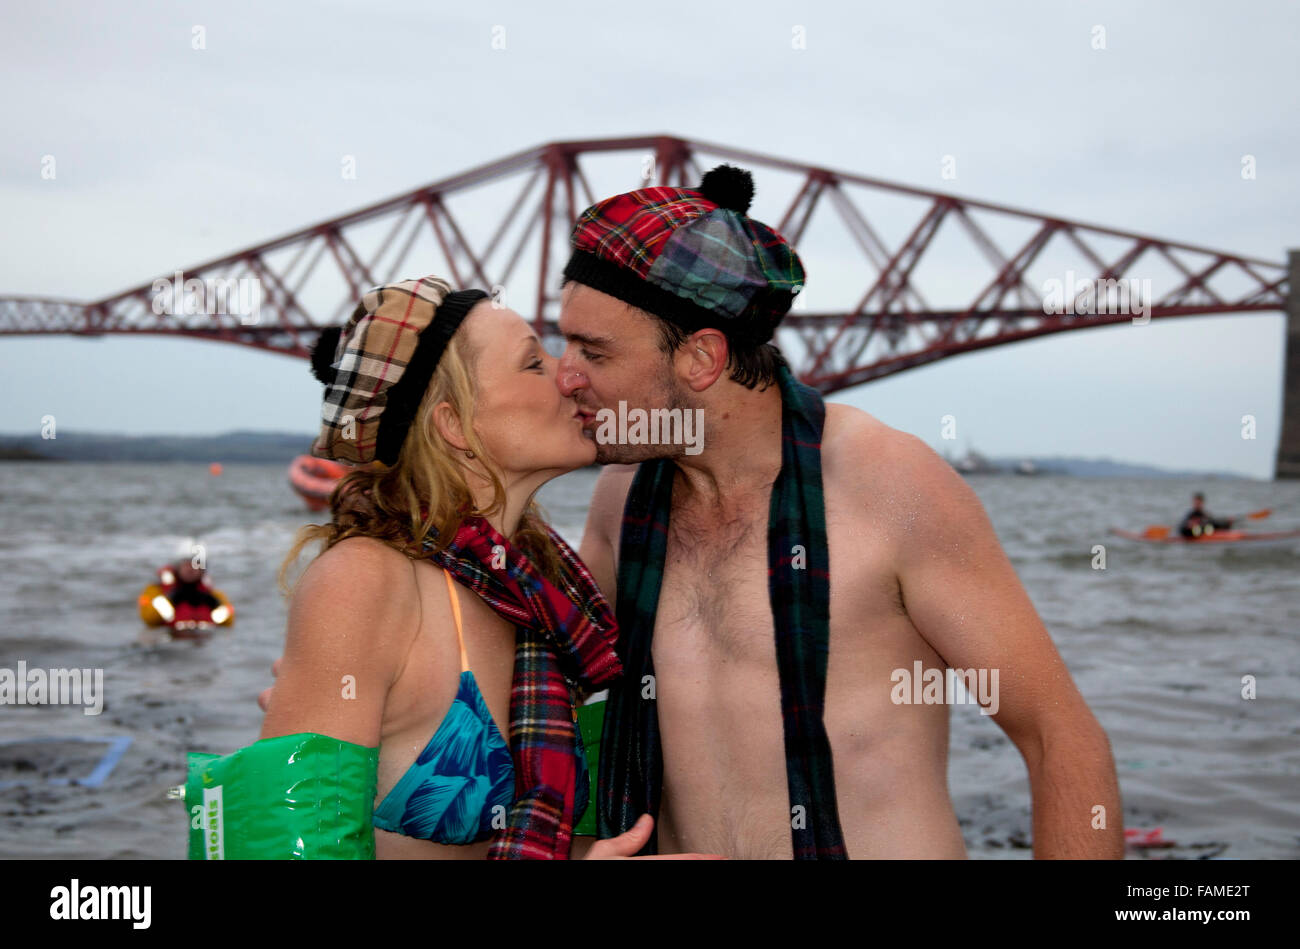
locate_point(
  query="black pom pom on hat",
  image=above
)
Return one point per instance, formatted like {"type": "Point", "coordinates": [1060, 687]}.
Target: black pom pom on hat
{"type": "Point", "coordinates": [322, 354]}
{"type": "Point", "coordinates": [728, 187]}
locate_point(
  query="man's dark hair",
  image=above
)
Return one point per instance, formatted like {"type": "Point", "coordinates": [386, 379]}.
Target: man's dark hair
{"type": "Point", "coordinates": [751, 365]}
{"type": "Point", "coordinates": [1198, 496]}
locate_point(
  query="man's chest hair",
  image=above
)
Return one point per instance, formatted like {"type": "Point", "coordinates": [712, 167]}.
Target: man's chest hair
{"type": "Point", "coordinates": [698, 530]}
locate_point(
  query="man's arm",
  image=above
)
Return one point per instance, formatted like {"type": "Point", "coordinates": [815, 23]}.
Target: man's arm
{"type": "Point", "coordinates": [965, 599]}
{"type": "Point", "coordinates": [599, 547]}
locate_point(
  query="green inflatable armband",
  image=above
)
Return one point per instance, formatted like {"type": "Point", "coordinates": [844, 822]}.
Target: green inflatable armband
{"type": "Point", "coordinates": [591, 722]}
{"type": "Point", "coordinates": [296, 797]}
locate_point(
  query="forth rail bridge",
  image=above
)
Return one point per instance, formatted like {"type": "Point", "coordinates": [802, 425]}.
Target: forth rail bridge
{"type": "Point", "coordinates": [910, 276]}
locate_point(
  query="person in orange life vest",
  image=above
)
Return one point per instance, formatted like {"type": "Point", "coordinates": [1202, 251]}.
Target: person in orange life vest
{"type": "Point", "coordinates": [187, 589]}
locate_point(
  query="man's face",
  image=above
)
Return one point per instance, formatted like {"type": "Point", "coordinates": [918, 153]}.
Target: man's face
{"type": "Point", "coordinates": [612, 354]}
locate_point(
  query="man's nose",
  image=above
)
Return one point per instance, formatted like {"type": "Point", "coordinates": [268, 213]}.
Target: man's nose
{"type": "Point", "coordinates": [568, 378]}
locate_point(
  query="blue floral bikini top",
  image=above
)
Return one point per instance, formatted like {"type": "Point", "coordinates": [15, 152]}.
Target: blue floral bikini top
{"type": "Point", "coordinates": [464, 779]}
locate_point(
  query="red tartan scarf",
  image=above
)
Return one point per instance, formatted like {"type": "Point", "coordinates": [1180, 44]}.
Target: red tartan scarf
{"type": "Point", "coordinates": [564, 639]}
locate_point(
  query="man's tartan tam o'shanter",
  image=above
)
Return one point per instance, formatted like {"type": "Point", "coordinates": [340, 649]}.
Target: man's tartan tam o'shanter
{"type": "Point", "coordinates": [378, 365]}
{"type": "Point", "coordinates": [691, 256]}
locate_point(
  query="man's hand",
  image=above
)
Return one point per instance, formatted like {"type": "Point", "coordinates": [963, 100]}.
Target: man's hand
{"type": "Point", "coordinates": [625, 846]}
{"type": "Point", "coordinates": [264, 697]}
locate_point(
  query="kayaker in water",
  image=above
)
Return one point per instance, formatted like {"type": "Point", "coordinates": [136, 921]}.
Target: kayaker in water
{"type": "Point", "coordinates": [1198, 521]}
{"type": "Point", "coordinates": [772, 585]}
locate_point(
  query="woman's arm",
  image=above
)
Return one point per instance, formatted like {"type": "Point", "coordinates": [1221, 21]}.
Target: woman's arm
{"type": "Point", "coordinates": [352, 619]}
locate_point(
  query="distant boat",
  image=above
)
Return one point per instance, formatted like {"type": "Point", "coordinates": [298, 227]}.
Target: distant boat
{"type": "Point", "coordinates": [314, 479]}
{"type": "Point", "coordinates": [974, 463]}
{"type": "Point", "coordinates": [1027, 467]}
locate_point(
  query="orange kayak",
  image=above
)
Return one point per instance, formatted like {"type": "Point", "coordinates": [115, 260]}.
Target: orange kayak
{"type": "Point", "coordinates": [1218, 538]}
{"type": "Point", "coordinates": [314, 479]}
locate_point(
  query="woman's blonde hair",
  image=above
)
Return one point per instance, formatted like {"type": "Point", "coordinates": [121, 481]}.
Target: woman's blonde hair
{"type": "Point", "coordinates": [384, 502]}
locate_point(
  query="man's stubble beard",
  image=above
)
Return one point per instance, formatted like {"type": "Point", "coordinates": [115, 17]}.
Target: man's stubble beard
{"type": "Point", "coordinates": [673, 396]}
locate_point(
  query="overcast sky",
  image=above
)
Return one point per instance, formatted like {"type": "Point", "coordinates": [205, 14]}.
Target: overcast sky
{"type": "Point", "coordinates": [167, 156]}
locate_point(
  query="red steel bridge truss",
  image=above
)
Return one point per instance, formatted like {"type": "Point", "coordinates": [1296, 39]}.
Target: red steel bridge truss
{"type": "Point", "coordinates": [898, 276]}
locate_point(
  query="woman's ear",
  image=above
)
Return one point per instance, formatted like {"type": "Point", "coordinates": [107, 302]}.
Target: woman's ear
{"type": "Point", "coordinates": [447, 421]}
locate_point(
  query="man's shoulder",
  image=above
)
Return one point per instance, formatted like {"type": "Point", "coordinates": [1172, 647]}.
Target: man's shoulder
{"type": "Point", "coordinates": [857, 443]}
{"type": "Point", "coordinates": [892, 478]}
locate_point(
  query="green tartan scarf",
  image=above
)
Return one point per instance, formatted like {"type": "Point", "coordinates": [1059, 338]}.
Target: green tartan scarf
{"type": "Point", "coordinates": [631, 761]}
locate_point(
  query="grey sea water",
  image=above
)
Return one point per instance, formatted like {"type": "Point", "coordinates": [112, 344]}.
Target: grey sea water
{"type": "Point", "coordinates": [1158, 642]}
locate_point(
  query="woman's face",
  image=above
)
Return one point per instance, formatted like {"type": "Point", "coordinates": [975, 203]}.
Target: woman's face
{"type": "Point", "coordinates": [522, 419]}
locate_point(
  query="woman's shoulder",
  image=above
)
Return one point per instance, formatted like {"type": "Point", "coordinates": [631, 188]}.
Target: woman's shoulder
{"type": "Point", "coordinates": [359, 585]}
{"type": "Point", "coordinates": [358, 565]}
{"type": "Point", "coordinates": [363, 554]}
{"type": "Point", "coordinates": [353, 614]}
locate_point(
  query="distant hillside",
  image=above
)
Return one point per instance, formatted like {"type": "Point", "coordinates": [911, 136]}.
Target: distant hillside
{"type": "Point", "coordinates": [232, 447]}
{"type": "Point", "coordinates": [1104, 468]}
{"type": "Point", "coordinates": [23, 454]}
{"type": "Point", "coordinates": [283, 447]}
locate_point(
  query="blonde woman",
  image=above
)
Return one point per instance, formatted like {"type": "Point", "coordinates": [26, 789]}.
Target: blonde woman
{"type": "Point", "coordinates": [440, 589]}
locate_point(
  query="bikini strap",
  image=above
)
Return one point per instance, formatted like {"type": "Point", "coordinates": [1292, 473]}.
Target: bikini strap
{"type": "Point", "coordinates": [455, 612]}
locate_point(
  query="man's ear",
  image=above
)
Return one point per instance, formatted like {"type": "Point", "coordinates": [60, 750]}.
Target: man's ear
{"type": "Point", "coordinates": [447, 421]}
{"type": "Point", "coordinates": [702, 358]}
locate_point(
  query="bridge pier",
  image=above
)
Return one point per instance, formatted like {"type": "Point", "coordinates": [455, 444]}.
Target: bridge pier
{"type": "Point", "coordinates": [1288, 446]}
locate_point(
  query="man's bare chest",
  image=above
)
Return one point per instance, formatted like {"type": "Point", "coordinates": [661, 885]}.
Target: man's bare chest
{"type": "Point", "coordinates": [715, 598]}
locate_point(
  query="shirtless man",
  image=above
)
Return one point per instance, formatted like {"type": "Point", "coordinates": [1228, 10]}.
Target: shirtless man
{"type": "Point", "coordinates": [917, 573]}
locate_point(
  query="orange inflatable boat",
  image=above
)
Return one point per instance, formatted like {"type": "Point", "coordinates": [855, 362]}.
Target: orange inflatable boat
{"type": "Point", "coordinates": [183, 620]}
{"type": "Point", "coordinates": [314, 479]}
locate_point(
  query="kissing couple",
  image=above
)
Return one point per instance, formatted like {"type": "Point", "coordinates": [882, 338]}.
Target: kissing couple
{"type": "Point", "coordinates": [741, 605]}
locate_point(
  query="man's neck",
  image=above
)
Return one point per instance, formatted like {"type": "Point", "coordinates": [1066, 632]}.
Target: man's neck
{"type": "Point", "coordinates": [742, 447]}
